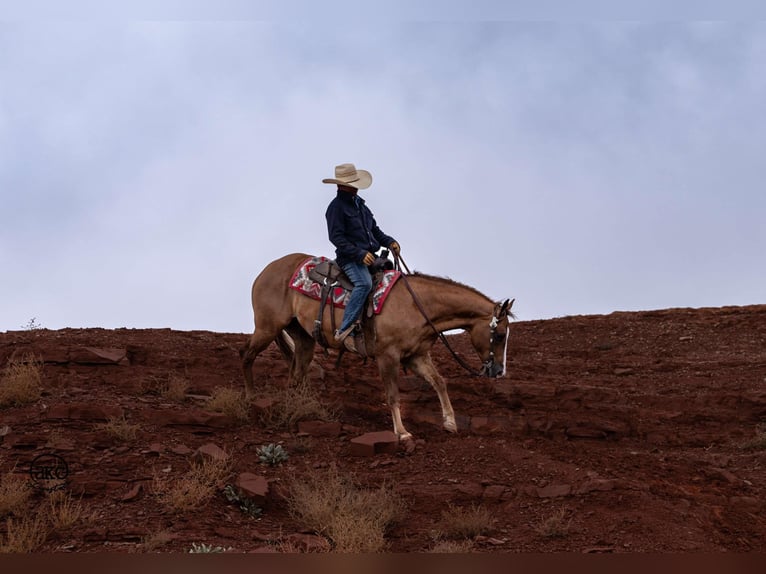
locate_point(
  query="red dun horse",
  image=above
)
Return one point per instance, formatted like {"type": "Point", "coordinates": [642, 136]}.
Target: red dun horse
{"type": "Point", "coordinates": [403, 335]}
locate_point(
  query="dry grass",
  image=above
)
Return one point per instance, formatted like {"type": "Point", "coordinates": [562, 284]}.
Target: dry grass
{"type": "Point", "coordinates": [24, 535]}
{"type": "Point", "coordinates": [464, 523]}
{"type": "Point", "coordinates": [21, 381]}
{"type": "Point", "coordinates": [229, 402]}
{"type": "Point", "coordinates": [452, 547]}
{"type": "Point", "coordinates": [758, 442]}
{"type": "Point", "coordinates": [175, 388]}
{"type": "Point", "coordinates": [556, 525]}
{"type": "Point", "coordinates": [292, 404]}
{"type": "Point", "coordinates": [194, 488]}
{"type": "Point", "coordinates": [171, 388]}
{"type": "Point", "coordinates": [14, 494]}
{"type": "Point", "coordinates": [121, 429]}
{"type": "Point", "coordinates": [63, 511]}
{"type": "Point", "coordinates": [354, 520]}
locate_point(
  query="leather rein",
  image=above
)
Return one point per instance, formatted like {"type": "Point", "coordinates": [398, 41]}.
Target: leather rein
{"type": "Point", "coordinates": [399, 265]}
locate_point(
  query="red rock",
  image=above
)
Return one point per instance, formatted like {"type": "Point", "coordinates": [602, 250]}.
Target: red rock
{"type": "Point", "coordinates": [554, 491]}
{"type": "Point", "coordinates": [192, 418]}
{"type": "Point", "coordinates": [210, 452]}
{"type": "Point", "coordinates": [308, 542]}
{"type": "Point", "coordinates": [99, 356]}
{"type": "Point", "coordinates": [494, 492]}
{"type": "Point", "coordinates": [84, 412]}
{"type": "Point", "coordinates": [253, 486]}
{"type": "Point", "coordinates": [596, 484]}
{"type": "Point", "coordinates": [181, 449]}
{"type": "Point", "coordinates": [260, 406]}
{"type": "Point", "coordinates": [320, 428]}
{"type": "Point", "coordinates": [488, 425]}
{"type": "Point", "coordinates": [133, 493]}
{"type": "Point", "coordinates": [373, 443]}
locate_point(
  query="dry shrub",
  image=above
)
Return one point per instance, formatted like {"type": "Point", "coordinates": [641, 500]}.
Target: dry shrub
{"type": "Point", "coordinates": [229, 402]}
{"type": "Point", "coordinates": [171, 388]}
{"type": "Point", "coordinates": [21, 381]}
{"type": "Point", "coordinates": [63, 511]}
{"type": "Point", "coordinates": [354, 520]}
{"type": "Point", "coordinates": [14, 494]}
{"type": "Point", "coordinates": [194, 488]}
{"type": "Point", "coordinates": [119, 428]}
{"type": "Point", "coordinates": [758, 442]}
{"type": "Point", "coordinates": [292, 404]}
{"type": "Point", "coordinates": [464, 523]}
{"type": "Point", "coordinates": [24, 535]}
{"type": "Point", "coordinates": [556, 525]}
{"type": "Point", "coordinates": [452, 547]}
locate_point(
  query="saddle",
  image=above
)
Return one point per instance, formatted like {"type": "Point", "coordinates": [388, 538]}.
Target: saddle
{"type": "Point", "coordinates": [330, 275]}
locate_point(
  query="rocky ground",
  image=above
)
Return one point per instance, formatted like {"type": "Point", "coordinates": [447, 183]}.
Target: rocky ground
{"type": "Point", "coordinates": [631, 430]}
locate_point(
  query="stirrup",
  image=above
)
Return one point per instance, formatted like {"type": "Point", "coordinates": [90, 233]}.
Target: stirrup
{"type": "Point", "coordinates": [348, 342]}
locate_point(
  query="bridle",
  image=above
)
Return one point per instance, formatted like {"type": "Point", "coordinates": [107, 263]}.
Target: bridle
{"type": "Point", "coordinates": [487, 365]}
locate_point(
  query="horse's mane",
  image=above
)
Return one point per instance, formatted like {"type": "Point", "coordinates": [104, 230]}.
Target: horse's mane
{"type": "Point", "coordinates": [448, 281]}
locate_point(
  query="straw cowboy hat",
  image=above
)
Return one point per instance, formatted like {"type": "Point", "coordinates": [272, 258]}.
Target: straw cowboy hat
{"type": "Point", "coordinates": [347, 174]}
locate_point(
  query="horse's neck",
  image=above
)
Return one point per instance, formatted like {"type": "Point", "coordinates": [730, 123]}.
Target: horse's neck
{"type": "Point", "coordinates": [451, 305]}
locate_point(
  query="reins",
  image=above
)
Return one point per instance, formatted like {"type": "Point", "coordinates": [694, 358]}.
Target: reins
{"type": "Point", "coordinates": [399, 264]}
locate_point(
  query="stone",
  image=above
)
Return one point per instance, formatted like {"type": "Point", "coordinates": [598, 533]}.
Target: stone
{"type": "Point", "coordinates": [320, 428]}
{"type": "Point", "coordinates": [133, 493]}
{"type": "Point", "coordinates": [487, 425]}
{"type": "Point", "coordinates": [373, 443]}
{"type": "Point", "coordinates": [181, 449]}
{"type": "Point", "coordinates": [192, 418]}
{"type": "Point", "coordinates": [493, 492]}
{"type": "Point", "coordinates": [253, 486]}
{"type": "Point", "coordinates": [307, 542]}
{"type": "Point", "coordinates": [596, 484]}
{"type": "Point", "coordinates": [84, 412]}
{"type": "Point", "coordinates": [99, 356]}
{"type": "Point", "coordinates": [210, 452]}
{"type": "Point", "coordinates": [554, 491]}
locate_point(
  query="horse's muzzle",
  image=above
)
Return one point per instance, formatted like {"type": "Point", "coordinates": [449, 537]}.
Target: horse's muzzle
{"type": "Point", "coordinates": [492, 369]}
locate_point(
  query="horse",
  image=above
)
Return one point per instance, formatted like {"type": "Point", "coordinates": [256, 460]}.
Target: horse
{"type": "Point", "coordinates": [405, 330]}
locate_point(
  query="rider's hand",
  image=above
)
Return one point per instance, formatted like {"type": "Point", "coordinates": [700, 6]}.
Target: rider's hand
{"type": "Point", "coordinates": [395, 248]}
{"type": "Point", "coordinates": [369, 259]}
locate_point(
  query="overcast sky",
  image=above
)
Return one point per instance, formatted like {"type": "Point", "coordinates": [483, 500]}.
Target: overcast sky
{"type": "Point", "coordinates": [150, 170]}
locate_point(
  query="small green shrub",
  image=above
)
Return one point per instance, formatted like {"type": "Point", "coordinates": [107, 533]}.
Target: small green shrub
{"type": "Point", "coordinates": [272, 454]}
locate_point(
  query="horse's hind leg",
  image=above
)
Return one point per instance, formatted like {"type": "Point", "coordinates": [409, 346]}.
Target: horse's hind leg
{"type": "Point", "coordinates": [423, 366]}
{"type": "Point", "coordinates": [257, 343]}
{"type": "Point", "coordinates": [303, 352]}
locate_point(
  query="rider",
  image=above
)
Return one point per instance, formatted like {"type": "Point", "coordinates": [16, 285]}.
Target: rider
{"type": "Point", "coordinates": [356, 236]}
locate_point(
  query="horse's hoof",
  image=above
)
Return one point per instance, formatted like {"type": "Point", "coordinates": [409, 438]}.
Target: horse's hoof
{"type": "Point", "coordinates": [450, 426]}
{"type": "Point", "coordinates": [405, 436]}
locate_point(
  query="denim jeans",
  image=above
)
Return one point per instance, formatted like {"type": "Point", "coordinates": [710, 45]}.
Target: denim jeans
{"type": "Point", "coordinates": [360, 276]}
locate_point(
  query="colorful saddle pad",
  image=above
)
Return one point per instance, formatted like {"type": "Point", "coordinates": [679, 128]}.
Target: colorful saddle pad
{"type": "Point", "coordinates": [302, 283]}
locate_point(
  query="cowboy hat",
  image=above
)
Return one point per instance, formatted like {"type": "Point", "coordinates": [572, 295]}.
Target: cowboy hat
{"type": "Point", "coordinates": [347, 174]}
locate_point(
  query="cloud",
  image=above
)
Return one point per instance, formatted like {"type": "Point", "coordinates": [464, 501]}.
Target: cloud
{"type": "Point", "coordinates": [150, 170]}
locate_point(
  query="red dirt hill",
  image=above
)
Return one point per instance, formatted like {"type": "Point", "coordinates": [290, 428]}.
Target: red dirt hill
{"type": "Point", "coordinates": [635, 430]}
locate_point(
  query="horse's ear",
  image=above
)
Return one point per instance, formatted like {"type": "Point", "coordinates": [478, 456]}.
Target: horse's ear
{"type": "Point", "coordinates": [504, 307]}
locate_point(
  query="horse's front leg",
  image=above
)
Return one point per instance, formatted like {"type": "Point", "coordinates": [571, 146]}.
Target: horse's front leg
{"type": "Point", "coordinates": [422, 366]}
{"type": "Point", "coordinates": [389, 374]}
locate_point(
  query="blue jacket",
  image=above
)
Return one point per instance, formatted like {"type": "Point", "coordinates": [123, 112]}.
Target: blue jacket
{"type": "Point", "coordinates": [352, 229]}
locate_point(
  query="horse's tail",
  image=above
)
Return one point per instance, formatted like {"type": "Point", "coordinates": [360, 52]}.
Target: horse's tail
{"type": "Point", "coordinates": [286, 344]}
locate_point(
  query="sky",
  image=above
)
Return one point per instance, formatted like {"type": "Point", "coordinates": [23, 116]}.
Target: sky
{"type": "Point", "coordinates": [150, 167]}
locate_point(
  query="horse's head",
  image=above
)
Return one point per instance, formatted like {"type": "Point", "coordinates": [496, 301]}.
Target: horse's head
{"type": "Point", "coordinates": [490, 339]}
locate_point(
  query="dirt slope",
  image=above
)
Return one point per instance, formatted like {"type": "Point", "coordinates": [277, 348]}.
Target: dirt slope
{"type": "Point", "coordinates": [630, 426]}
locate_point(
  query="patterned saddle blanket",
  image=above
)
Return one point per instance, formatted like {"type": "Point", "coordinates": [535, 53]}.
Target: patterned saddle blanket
{"type": "Point", "coordinates": [302, 283]}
